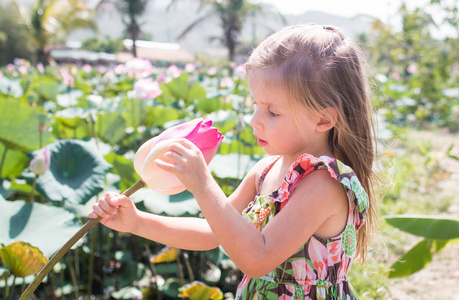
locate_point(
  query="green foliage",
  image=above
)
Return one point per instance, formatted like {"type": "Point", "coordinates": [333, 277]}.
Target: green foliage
{"type": "Point", "coordinates": [76, 174]}
{"type": "Point", "coordinates": [43, 226]}
{"type": "Point", "coordinates": [417, 71]}
{"type": "Point", "coordinates": [14, 41]}
{"type": "Point", "coordinates": [107, 45]}
{"type": "Point", "coordinates": [91, 126]}
{"type": "Point", "coordinates": [430, 227]}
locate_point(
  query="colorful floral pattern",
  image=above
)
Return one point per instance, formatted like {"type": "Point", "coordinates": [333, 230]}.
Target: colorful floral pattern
{"type": "Point", "coordinates": [317, 270]}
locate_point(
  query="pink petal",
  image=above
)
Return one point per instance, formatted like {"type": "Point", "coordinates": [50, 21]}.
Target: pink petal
{"type": "Point", "coordinates": [180, 131]}
{"type": "Point", "coordinates": [141, 153]}
{"type": "Point", "coordinates": [156, 178]}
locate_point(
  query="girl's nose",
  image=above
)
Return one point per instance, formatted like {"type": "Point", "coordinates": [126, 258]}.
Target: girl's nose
{"type": "Point", "coordinates": [255, 122]}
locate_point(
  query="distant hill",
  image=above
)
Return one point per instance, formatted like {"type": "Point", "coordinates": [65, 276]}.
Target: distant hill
{"type": "Point", "coordinates": [162, 25]}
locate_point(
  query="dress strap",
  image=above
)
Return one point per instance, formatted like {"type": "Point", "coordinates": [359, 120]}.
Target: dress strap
{"type": "Point", "coordinates": [265, 171]}
{"type": "Point", "coordinates": [306, 164]}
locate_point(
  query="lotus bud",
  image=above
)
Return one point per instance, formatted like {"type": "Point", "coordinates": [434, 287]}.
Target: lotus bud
{"type": "Point", "coordinates": [40, 164]}
{"type": "Point", "coordinates": [199, 131]}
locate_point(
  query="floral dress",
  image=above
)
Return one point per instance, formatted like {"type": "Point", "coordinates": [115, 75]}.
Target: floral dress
{"type": "Point", "coordinates": [318, 269]}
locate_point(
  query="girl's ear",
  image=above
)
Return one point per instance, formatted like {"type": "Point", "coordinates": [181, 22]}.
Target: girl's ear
{"type": "Point", "coordinates": [327, 119]}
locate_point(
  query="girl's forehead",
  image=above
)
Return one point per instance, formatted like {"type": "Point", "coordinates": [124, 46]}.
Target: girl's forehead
{"type": "Point", "coordinates": [262, 80]}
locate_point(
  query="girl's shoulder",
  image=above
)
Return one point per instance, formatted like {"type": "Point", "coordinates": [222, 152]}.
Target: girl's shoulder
{"type": "Point", "coordinates": [307, 163]}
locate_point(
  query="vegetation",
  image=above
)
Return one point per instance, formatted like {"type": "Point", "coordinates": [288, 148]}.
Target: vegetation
{"type": "Point", "coordinates": [107, 45]}
{"type": "Point", "coordinates": [92, 120]}
{"type": "Point", "coordinates": [14, 39]}
{"type": "Point", "coordinates": [49, 21]}
{"type": "Point", "coordinates": [130, 10]}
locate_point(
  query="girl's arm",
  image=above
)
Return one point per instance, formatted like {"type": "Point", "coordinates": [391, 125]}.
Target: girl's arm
{"type": "Point", "coordinates": [120, 213]}
{"type": "Point", "coordinates": [319, 202]}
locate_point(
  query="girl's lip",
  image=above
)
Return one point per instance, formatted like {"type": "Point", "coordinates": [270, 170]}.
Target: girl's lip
{"type": "Point", "coordinates": [261, 142]}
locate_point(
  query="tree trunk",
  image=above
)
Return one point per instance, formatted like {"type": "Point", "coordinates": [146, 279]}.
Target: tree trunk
{"type": "Point", "coordinates": [42, 56]}
{"type": "Point", "coordinates": [134, 47]}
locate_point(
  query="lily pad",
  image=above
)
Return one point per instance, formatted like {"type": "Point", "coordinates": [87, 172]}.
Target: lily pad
{"type": "Point", "coordinates": [22, 259]}
{"type": "Point", "coordinates": [179, 205]}
{"type": "Point", "coordinates": [71, 117]}
{"type": "Point", "coordinates": [46, 227]}
{"type": "Point", "coordinates": [76, 173]}
{"type": "Point", "coordinates": [15, 162]}
{"type": "Point", "coordinates": [110, 127]}
{"type": "Point", "coordinates": [19, 125]}
{"type": "Point", "coordinates": [232, 165]}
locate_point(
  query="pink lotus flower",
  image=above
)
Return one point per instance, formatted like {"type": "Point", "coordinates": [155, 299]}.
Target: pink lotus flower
{"type": "Point", "coordinates": [139, 67]}
{"type": "Point", "coordinates": [147, 89]}
{"type": "Point", "coordinates": [199, 131]}
{"type": "Point", "coordinates": [86, 68]}
{"type": "Point", "coordinates": [173, 71]}
{"type": "Point", "coordinates": [40, 164]}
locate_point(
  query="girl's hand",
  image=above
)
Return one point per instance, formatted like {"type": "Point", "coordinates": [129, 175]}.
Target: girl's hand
{"type": "Point", "coordinates": [118, 212]}
{"type": "Point", "coordinates": [185, 160]}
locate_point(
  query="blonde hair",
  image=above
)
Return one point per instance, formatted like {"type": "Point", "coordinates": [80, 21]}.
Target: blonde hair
{"type": "Point", "coordinates": [321, 68]}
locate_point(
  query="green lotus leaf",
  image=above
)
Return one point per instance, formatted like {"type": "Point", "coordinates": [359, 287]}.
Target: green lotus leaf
{"type": "Point", "coordinates": [128, 292]}
{"type": "Point", "coordinates": [71, 117]}
{"type": "Point", "coordinates": [171, 285]}
{"type": "Point", "coordinates": [44, 226]}
{"type": "Point", "coordinates": [133, 111]}
{"type": "Point", "coordinates": [158, 115]}
{"type": "Point", "coordinates": [45, 86]}
{"type": "Point", "coordinates": [76, 173]}
{"type": "Point", "coordinates": [69, 99]}
{"type": "Point", "coordinates": [181, 88]}
{"type": "Point", "coordinates": [123, 167]}
{"type": "Point", "coordinates": [22, 258]}
{"type": "Point", "coordinates": [110, 127]}
{"type": "Point", "coordinates": [431, 227]}
{"type": "Point", "coordinates": [15, 162]}
{"type": "Point", "coordinates": [232, 165]}
{"type": "Point", "coordinates": [179, 205]}
{"type": "Point", "coordinates": [19, 125]}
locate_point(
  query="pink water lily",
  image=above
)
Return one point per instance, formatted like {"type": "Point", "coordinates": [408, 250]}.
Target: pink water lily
{"type": "Point", "coordinates": [199, 131]}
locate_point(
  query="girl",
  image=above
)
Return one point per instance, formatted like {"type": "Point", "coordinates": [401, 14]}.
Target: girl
{"type": "Point", "coordinates": [302, 215]}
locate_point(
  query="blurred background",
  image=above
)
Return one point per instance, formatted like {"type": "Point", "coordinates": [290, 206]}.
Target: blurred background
{"type": "Point", "coordinates": [85, 83]}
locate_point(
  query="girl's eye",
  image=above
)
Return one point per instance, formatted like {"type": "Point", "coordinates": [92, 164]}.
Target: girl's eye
{"type": "Point", "coordinates": [272, 114]}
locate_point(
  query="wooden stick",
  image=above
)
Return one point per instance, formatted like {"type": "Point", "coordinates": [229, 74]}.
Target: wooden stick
{"type": "Point", "coordinates": [66, 247]}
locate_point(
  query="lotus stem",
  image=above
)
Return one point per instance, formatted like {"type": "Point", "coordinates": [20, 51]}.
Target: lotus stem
{"type": "Point", "coordinates": [66, 247]}
{"type": "Point", "coordinates": [2, 162]}
{"type": "Point", "coordinates": [91, 263]}
{"type": "Point", "coordinates": [34, 185]}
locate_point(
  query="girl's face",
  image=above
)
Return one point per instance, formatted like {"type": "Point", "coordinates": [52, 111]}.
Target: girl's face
{"type": "Point", "coordinates": [273, 121]}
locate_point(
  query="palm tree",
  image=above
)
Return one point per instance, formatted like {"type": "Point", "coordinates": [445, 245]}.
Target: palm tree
{"type": "Point", "coordinates": [232, 14]}
{"type": "Point", "coordinates": [50, 21]}
{"type": "Point", "coordinates": [130, 10]}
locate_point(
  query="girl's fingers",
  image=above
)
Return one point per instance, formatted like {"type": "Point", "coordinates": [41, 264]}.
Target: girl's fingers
{"type": "Point", "coordinates": [99, 212]}
{"type": "Point", "coordinates": [105, 204]}
{"type": "Point", "coordinates": [164, 165]}
{"type": "Point", "coordinates": [178, 147]}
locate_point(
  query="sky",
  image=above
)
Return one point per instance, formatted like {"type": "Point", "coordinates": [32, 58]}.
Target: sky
{"type": "Point", "coordinates": [385, 10]}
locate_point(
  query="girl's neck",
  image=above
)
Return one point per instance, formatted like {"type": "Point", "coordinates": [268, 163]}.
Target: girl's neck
{"type": "Point", "coordinates": [287, 160]}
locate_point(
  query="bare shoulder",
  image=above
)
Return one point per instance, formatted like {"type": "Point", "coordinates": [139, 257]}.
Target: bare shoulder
{"type": "Point", "coordinates": [323, 195]}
